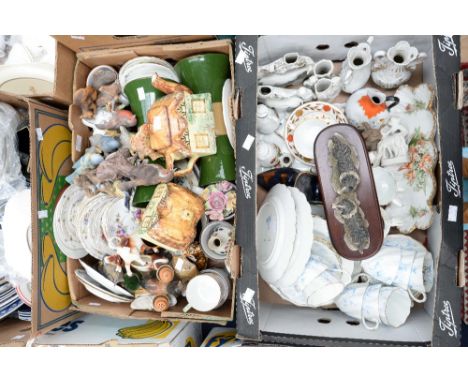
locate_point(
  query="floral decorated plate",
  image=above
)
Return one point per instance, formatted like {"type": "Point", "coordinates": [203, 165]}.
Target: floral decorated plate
{"type": "Point", "coordinates": [220, 200]}
{"type": "Point", "coordinates": [305, 123]}
{"type": "Point", "coordinates": [415, 110]}
{"type": "Point", "coordinates": [411, 207]}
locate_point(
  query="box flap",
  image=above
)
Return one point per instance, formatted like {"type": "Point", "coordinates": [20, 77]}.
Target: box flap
{"type": "Point", "coordinates": [80, 43]}
{"type": "Point", "coordinates": [247, 285]}
{"type": "Point", "coordinates": [50, 163]}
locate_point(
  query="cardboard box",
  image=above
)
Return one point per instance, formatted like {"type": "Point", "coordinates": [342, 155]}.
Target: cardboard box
{"type": "Point", "coordinates": [95, 330]}
{"type": "Point", "coordinates": [436, 323]}
{"type": "Point", "coordinates": [50, 161]}
{"type": "Point", "coordinates": [82, 299]}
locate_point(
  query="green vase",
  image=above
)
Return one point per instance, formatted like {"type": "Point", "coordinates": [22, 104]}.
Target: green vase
{"type": "Point", "coordinates": [205, 73]}
{"type": "Point", "coordinates": [220, 166]}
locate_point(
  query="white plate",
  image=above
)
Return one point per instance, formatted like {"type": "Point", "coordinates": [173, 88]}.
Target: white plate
{"type": "Point", "coordinates": [276, 232]}
{"type": "Point", "coordinates": [227, 112]}
{"type": "Point", "coordinates": [24, 292]}
{"type": "Point", "coordinates": [27, 79]}
{"type": "Point", "coordinates": [102, 280]}
{"type": "Point", "coordinates": [303, 242]}
{"type": "Point", "coordinates": [97, 290]}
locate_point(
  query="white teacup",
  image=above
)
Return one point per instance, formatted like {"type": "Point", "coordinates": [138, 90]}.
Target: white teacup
{"type": "Point", "coordinates": [370, 307]}
{"type": "Point", "coordinates": [314, 267]}
{"type": "Point", "coordinates": [207, 291]}
{"type": "Point", "coordinates": [351, 300]}
{"type": "Point", "coordinates": [394, 306]}
{"type": "Point", "coordinates": [384, 265]}
{"type": "Point", "coordinates": [323, 289]}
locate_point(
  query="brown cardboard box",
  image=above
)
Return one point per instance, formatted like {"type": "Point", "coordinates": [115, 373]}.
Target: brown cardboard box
{"type": "Point", "coordinates": [81, 298]}
{"type": "Point", "coordinates": [50, 303]}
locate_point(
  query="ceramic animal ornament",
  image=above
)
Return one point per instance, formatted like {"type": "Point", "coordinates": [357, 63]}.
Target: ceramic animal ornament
{"type": "Point", "coordinates": [127, 249]}
{"type": "Point", "coordinates": [369, 108]}
{"type": "Point", "coordinates": [356, 69]}
{"type": "Point", "coordinates": [392, 150]}
{"type": "Point", "coordinates": [117, 167]}
{"type": "Point", "coordinates": [86, 99]}
{"type": "Point", "coordinates": [289, 69]}
{"type": "Point", "coordinates": [180, 125]}
{"type": "Point", "coordinates": [395, 67]}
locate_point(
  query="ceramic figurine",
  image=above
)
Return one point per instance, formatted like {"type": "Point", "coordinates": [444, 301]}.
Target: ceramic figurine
{"type": "Point", "coordinates": [89, 161]}
{"type": "Point", "coordinates": [195, 254]}
{"type": "Point", "coordinates": [267, 119]}
{"type": "Point", "coordinates": [104, 144]}
{"type": "Point", "coordinates": [286, 70]}
{"type": "Point", "coordinates": [127, 249]}
{"type": "Point", "coordinates": [327, 89]}
{"type": "Point", "coordinates": [392, 150]}
{"type": "Point", "coordinates": [180, 125]}
{"type": "Point", "coordinates": [111, 120]}
{"type": "Point", "coordinates": [395, 67]}
{"type": "Point", "coordinates": [268, 154]}
{"type": "Point", "coordinates": [109, 96]}
{"type": "Point", "coordinates": [369, 108]}
{"type": "Point", "coordinates": [86, 99]}
{"type": "Point", "coordinates": [284, 99]}
{"type": "Point", "coordinates": [356, 69]}
{"type": "Point", "coordinates": [117, 167]}
{"type": "Point", "coordinates": [171, 217]}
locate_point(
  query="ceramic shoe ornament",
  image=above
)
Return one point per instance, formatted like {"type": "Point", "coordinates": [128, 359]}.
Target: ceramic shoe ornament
{"type": "Point", "coordinates": [356, 69]}
{"type": "Point", "coordinates": [283, 99]}
{"type": "Point", "coordinates": [180, 125]}
{"type": "Point", "coordinates": [369, 108]}
{"type": "Point", "coordinates": [327, 89]}
{"type": "Point", "coordinates": [286, 70]}
{"type": "Point", "coordinates": [395, 67]}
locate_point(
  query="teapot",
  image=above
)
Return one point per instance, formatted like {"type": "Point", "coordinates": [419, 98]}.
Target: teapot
{"type": "Point", "coordinates": [369, 108]}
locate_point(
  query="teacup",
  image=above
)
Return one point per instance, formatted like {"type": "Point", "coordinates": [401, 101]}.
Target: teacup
{"type": "Point", "coordinates": [314, 267]}
{"type": "Point", "coordinates": [375, 304]}
{"type": "Point", "coordinates": [323, 289]}
{"type": "Point", "coordinates": [385, 264]}
{"type": "Point", "coordinates": [207, 291]}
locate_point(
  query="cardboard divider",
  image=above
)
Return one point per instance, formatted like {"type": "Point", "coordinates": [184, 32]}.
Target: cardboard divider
{"type": "Point", "coordinates": [81, 298]}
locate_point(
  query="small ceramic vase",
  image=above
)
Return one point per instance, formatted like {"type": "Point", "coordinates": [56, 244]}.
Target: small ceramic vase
{"type": "Point", "coordinates": [327, 89]}
{"type": "Point", "coordinates": [268, 154]}
{"type": "Point", "coordinates": [286, 70]}
{"type": "Point", "coordinates": [395, 67]}
{"type": "Point", "coordinates": [267, 120]}
{"type": "Point", "coordinates": [369, 108]}
{"type": "Point", "coordinates": [216, 240]}
{"type": "Point", "coordinates": [356, 69]}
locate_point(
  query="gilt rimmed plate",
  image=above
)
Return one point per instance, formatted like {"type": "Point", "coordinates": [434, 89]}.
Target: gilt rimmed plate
{"type": "Point", "coordinates": [305, 123]}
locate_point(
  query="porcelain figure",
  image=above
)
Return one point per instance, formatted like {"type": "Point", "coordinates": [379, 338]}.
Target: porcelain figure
{"type": "Point", "coordinates": [356, 69]}
{"type": "Point", "coordinates": [286, 70]}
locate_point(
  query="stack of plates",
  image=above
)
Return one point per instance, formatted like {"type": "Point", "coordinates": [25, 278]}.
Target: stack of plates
{"type": "Point", "coordinates": [288, 238]}
{"type": "Point", "coordinates": [85, 225]}
{"type": "Point", "coordinates": [24, 313]}
{"type": "Point", "coordinates": [9, 299]}
{"type": "Point", "coordinates": [143, 67]}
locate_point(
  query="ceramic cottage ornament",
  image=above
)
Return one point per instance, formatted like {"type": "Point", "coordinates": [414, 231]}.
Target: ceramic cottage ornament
{"type": "Point", "coordinates": [356, 69]}
{"type": "Point", "coordinates": [395, 67]}
{"type": "Point", "coordinates": [286, 70]}
{"type": "Point", "coordinates": [180, 125]}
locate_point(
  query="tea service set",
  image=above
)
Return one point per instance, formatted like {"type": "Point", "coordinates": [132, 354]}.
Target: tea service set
{"type": "Point", "coordinates": [150, 208]}
{"type": "Point", "coordinates": [306, 151]}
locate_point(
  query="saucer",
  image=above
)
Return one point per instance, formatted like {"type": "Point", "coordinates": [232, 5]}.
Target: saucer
{"type": "Point", "coordinates": [276, 233]}
{"type": "Point", "coordinates": [305, 123]}
{"type": "Point", "coordinates": [227, 112]}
